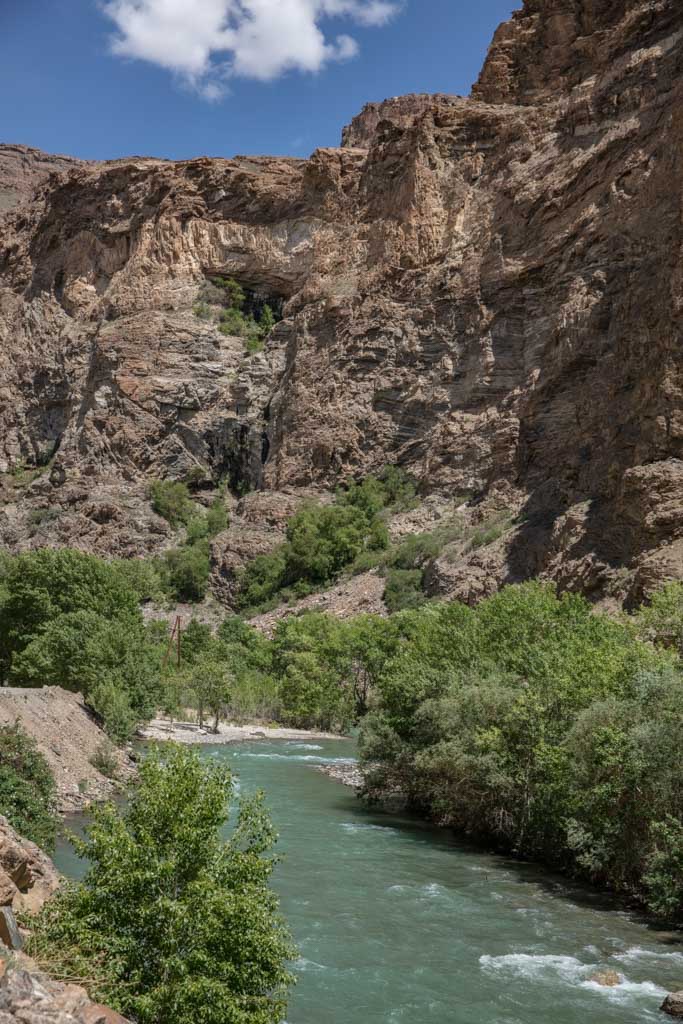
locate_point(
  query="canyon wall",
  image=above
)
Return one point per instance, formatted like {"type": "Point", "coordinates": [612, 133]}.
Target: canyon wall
{"type": "Point", "coordinates": [486, 291]}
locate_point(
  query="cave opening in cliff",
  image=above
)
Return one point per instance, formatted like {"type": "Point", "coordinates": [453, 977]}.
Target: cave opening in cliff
{"type": "Point", "coordinates": [258, 302]}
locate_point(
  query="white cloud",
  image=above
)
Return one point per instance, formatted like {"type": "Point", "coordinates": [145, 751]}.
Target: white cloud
{"type": "Point", "coordinates": [206, 42]}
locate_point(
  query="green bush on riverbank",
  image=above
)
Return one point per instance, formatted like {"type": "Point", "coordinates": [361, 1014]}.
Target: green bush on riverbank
{"type": "Point", "coordinates": [533, 723]}
{"type": "Point", "coordinates": [172, 925]}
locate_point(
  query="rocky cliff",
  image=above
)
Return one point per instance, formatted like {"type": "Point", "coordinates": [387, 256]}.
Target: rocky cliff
{"type": "Point", "coordinates": [486, 291]}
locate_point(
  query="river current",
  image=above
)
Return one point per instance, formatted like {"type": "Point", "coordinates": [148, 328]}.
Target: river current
{"type": "Point", "coordinates": [397, 922]}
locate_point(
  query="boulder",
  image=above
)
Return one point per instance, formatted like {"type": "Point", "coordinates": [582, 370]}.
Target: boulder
{"type": "Point", "coordinates": [673, 1005]}
{"type": "Point", "coordinates": [608, 979]}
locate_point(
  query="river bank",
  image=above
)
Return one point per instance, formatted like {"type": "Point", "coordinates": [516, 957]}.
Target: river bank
{"type": "Point", "coordinates": [161, 729]}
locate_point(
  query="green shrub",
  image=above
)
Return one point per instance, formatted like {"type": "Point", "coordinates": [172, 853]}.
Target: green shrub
{"type": "Point", "coordinates": [141, 576]}
{"type": "Point", "coordinates": [400, 489]}
{"type": "Point", "coordinates": [234, 294]}
{"type": "Point", "coordinates": [170, 922]}
{"type": "Point", "coordinates": [217, 518]}
{"type": "Point", "coordinates": [321, 541]}
{"type": "Point", "coordinates": [104, 760]}
{"type": "Point", "coordinates": [254, 344]}
{"type": "Point", "coordinates": [267, 320]}
{"type": "Point", "coordinates": [661, 621]}
{"type": "Point", "coordinates": [403, 589]}
{"type": "Point", "coordinates": [186, 571]}
{"type": "Point", "coordinates": [202, 311]}
{"type": "Point", "coordinates": [171, 500]}
{"type": "Point", "coordinates": [490, 531]}
{"type": "Point", "coordinates": [27, 788]}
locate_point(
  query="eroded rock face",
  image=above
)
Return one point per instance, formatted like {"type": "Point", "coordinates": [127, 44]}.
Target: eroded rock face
{"type": "Point", "coordinates": [27, 876]}
{"type": "Point", "coordinates": [23, 169]}
{"type": "Point", "coordinates": [487, 291]}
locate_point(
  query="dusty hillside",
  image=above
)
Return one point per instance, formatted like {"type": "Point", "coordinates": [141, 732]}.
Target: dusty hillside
{"type": "Point", "coordinates": [68, 737]}
{"type": "Point", "coordinates": [487, 291]}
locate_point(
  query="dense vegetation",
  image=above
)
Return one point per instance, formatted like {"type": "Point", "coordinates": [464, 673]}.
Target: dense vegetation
{"type": "Point", "coordinates": [530, 722]}
{"type": "Point", "coordinates": [551, 731]}
{"type": "Point", "coordinates": [73, 620]}
{"type": "Point", "coordinates": [171, 923]}
{"type": "Point", "coordinates": [323, 540]}
{"type": "Point", "coordinates": [182, 574]}
{"type": "Point", "coordinates": [27, 787]}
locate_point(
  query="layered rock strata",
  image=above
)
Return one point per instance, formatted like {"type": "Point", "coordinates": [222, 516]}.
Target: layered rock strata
{"type": "Point", "coordinates": [486, 291]}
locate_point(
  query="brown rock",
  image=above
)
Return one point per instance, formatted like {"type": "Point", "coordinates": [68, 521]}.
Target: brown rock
{"type": "Point", "coordinates": [8, 889]}
{"type": "Point", "coordinates": [673, 1005]}
{"type": "Point", "coordinates": [98, 1014]}
{"type": "Point", "coordinates": [9, 930]}
{"type": "Point", "coordinates": [31, 998]}
{"type": "Point", "coordinates": [27, 876]}
{"type": "Point", "coordinates": [608, 979]}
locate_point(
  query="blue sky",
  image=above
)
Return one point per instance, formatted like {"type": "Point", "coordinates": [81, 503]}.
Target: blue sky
{"type": "Point", "coordinates": [182, 78]}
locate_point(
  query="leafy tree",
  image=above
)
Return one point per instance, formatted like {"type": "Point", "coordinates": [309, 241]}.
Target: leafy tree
{"type": "Point", "coordinates": [27, 788]}
{"type": "Point", "coordinates": [109, 662]}
{"type": "Point", "coordinates": [211, 684]}
{"type": "Point", "coordinates": [664, 869]}
{"type": "Point", "coordinates": [196, 640]}
{"type": "Point", "coordinates": [170, 922]}
{"type": "Point", "coordinates": [41, 585]}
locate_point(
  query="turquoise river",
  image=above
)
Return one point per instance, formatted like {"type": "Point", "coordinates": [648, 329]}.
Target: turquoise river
{"type": "Point", "coordinates": [398, 922]}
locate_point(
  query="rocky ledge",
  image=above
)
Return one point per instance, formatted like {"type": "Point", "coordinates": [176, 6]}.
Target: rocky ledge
{"type": "Point", "coordinates": [27, 876]}
{"type": "Point", "coordinates": [28, 997]}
